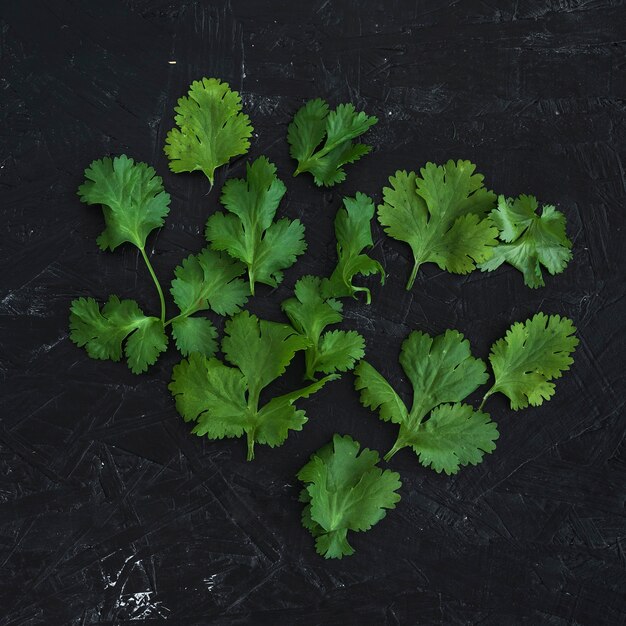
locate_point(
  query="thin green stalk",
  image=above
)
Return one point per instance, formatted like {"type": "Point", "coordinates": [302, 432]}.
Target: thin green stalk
{"type": "Point", "coordinates": [250, 439]}
{"type": "Point", "coordinates": [368, 295]}
{"type": "Point", "coordinates": [416, 267]}
{"type": "Point", "coordinates": [396, 448]}
{"type": "Point", "coordinates": [489, 393]}
{"type": "Point", "coordinates": [156, 282]}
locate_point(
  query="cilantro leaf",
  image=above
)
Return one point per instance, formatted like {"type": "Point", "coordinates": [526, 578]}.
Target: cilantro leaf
{"type": "Point", "coordinates": [441, 370]}
{"type": "Point", "coordinates": [454, 435]}
{"type": "Point", "coordinates": [325, 161]}
{"type": "Point", "coordinates": [224, 400]}
{"type": "Point", "coordinates": [194, 334]}
{"type": "Point", "coordinates": [530, 355]}
{"type": "Point", "coordinates": [530, 240]}
{"type": "Point", "coordinates": [440, 215]}
{"type": "Point", "coordinates": [211, 129]}
{"type": "Point", "coordinates": [352, 228]}
{"type": "Point", "coordinates": [248, 232]}
{"type": "Point", "coordinates": [344, 491]}
{"type": "Point", "coordinates": [102, 332]}
{"type": "Point", "coordinates": [133, 200]}
{"type": "Point", "coordinates": [206, 281]}
{"type": "Point", "coordinates": [309, 313]}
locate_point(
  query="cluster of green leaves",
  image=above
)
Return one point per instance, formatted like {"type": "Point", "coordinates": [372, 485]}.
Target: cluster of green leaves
{"type": "Point", "coordinates": [444, 213]}
{"type": "Point", "coordinates": [448, 217]}
{"type": "Point", "coordinates": [248, 231]}
{"type": "Point", "coordinates": [443, 432]}
{"type": "Point", "coordinates": [441, 215]}
{"type": "Point", "coordinates": [134, 203]}
{"type": "Point", "coordinates": [345, 490]}
{"type": "Point", "coordinates": [224, 400]}
{"type": "Point", "coordinates": [310, 313]}
{"type": "Point", "coordinates": [529, 240]}
{"type": "Point", "coordinates": [321, 140]}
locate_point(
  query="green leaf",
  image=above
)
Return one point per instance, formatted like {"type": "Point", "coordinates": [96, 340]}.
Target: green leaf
{"type": "Point", "coordinates": [353, 232]}
{"type": "Point", "coordinates": [339, 350]}
{"type": "Point", "coordinates": [314, 122]}
{"type": "Point", "coordinates": [209, 280]}
{"type": "Point", "coordinates": [133, 200]}
{"type": "Point", "coordinates": [102, 332]}
{"type": "Point", "coordinates": [309, 313]}
{"type": "Point", "coordinates": [195, 334]}
{"type": "Point", "coordinates": [440, 215]}
{"type": "Point", "coordinates": [345, 491]}
{"type": "Point", "coordinates": [530, 240]}
{"type": "Point", "coordinates": [441, 370]}
{"type": "Point", "coordinates": [211, 129]}
{"type": "Point", "coordinates": [145, 344]}
{"type": "Point", "coordinates": [530, 355]}
{"type": "Point", "coordinates": [454, 435]}
{"type": "Point", "coordinates": [248, 232]}
{"type": "Point", "coordinates": [224, 400]}
{"type": "Point", "coordinates": [205, 281]}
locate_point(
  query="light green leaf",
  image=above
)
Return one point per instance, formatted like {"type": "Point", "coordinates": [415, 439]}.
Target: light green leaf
{"type": "Point", "coordinates": [454, 435]}
{"type": "Point", "coordinates": [211, 129]}
{"type": "Point", "coordinates": [530, 355]}
{"type": "Point", "coordinates": [440, 215]}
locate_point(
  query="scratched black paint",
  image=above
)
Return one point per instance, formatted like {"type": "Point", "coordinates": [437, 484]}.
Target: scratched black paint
{"type": "Point", "coordinates": [112, 512]}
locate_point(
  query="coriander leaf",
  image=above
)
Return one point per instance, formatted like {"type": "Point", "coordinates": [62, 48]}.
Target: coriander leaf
{"type": "Point", "coordinates": [208, 280]}
{"type": "Point", "coordinates": [454, 435]}
{"type": "Point", "coordinates": [133, 200]}
{"type": "Point", "coordinates": [339, 350]}
{"type": "Point", "coordinates": [248, 232]}
{"type": "Point", "coordinates": [440, 215]}
{"type": "Point", "coordinates": [194, 334]}
{"type": "Point", "coordinates": [145, 344]}
{"type": "Point", "coordinates": [531, 240]}
{"type": "Point", "coordinates": [352, 229]}
{"type": "Point", "coordinates": [344, 491]}
{"type": "Point", "coordinates": [530, 355]}
{"type": "Point", "coordinates": [441, 370]}
{"type": "Point", "coordinates": [211, 129]}
{"type": "Point", "coordinates": [102, 332]}
{"type": "Point", "coordinates": [325, 161]}
{"type": "Point", "coordinates": [224, 400]}
{"type": "Point", "coordinates": [309, 313]}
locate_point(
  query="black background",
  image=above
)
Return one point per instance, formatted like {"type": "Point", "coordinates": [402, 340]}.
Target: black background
{"type": "Point", "coordinates": [111, 511]}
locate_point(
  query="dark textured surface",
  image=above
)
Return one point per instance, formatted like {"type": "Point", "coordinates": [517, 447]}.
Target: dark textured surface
{"type": "Point", "coordinates": [111, 511]}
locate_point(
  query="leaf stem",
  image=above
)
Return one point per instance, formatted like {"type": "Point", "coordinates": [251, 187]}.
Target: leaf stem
{"type": "Point", "coordinates": [489, 393]}
{"type": "Point", "coordinates": [416, 266]}
{"type": "Point", "coordinates": [368, 294]}
{"type": "Point", "coordinates": [250, 439]}
{"type": "Point", "coordinates": [156, 283]}
{"type": "Point", "coordinates": [396, 448]}
{"type": "Point", "coordinates": [176, 318]}
{"type": "Point", "coordinates": [251, 281]}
